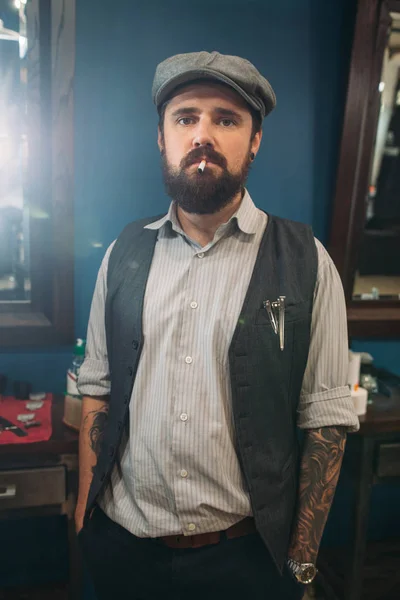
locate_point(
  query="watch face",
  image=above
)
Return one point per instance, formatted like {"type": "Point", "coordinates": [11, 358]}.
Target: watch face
{"type": "Point", "coordinates": [307, 574]}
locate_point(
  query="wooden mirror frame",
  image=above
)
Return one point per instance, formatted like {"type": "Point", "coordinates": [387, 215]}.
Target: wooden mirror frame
{"type": "Point", "coordinates": [366, 318]}
{"type": "Point", "coordinates": [48, 318]}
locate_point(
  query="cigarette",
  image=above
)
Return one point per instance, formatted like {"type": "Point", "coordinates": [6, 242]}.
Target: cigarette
{"type": "Point", "coordinates": [201, 167]}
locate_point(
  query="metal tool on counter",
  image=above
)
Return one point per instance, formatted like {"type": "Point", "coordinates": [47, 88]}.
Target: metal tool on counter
{"type": "Point", "coordinates": [6, 425]}
{"type": "Point", "coordinates": [32, 424]}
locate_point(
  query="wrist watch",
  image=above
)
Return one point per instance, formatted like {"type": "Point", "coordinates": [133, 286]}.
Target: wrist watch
{"type": "Point", "coordinates": [304, 572]}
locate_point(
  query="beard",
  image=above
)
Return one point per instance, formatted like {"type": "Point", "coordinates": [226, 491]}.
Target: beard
{"type": "Point", "coordinates": [203, 193]}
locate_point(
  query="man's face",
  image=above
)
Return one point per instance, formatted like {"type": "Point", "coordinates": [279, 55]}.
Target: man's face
{"type": "Point", "coordinates": [211, 122]}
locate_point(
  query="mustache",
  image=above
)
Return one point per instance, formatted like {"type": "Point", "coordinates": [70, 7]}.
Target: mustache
{"type": "Point", "coordinates": [205, 152]}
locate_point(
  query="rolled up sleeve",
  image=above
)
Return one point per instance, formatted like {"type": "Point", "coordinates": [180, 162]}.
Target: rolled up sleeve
{"type": "Point", "coordinates": [325, 399]}
{"type": "Point", "coordinates": [94, 374]}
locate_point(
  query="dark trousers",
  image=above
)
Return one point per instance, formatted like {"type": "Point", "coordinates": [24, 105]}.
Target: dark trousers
{"type": "Point", "coordinates": [126, 567]}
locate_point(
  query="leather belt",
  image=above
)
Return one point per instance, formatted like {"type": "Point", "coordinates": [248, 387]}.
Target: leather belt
{"type": "Point", "coordinates": [244, 527]}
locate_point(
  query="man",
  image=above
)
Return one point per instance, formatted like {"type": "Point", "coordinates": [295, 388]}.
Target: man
{"type": "Point", "coordinates": [216, 332]}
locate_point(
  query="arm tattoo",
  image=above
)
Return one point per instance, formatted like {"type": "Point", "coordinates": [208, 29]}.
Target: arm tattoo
{"type": "Point", "coordinates": [319, 473]}
{"type": "Point", "coordinates": [96, 431]}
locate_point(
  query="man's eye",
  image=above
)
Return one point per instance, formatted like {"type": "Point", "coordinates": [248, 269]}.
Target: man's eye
{"type": "Point", "coordinates": [185, 121]}
{"type": "Point", "coordinates": [227, 122]}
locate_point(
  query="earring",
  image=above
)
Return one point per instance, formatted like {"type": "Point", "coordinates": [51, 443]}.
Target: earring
{"type": "Point", "coordinates": [252, 156]}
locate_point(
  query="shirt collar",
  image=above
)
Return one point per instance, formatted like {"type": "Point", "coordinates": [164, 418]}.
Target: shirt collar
{"type": "Point", "coordinates": [246, 217]}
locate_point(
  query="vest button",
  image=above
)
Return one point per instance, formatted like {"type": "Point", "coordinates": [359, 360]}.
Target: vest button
{"type": "Point", "coordinates": [119, 425]}
{"type": "Point", "coordinates": [130, 371]}
{"type": "Point", "coordinates": [111, 451]}
{"type": "Point", "coordinates": [126, 399]}
{"type": "Point", "coordinates": [135, 344]}
{"type": "Point", "coordinates": [103, 475]}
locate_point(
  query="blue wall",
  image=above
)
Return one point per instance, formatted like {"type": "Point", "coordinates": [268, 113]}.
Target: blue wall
{"type": "Point", "coordinates": [117, 161]}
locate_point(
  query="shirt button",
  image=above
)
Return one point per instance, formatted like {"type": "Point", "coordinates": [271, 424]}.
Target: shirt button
{"type": "Point", "coordinates": [191, 527]}
{"type": "Point", "coordinates": [201, 255]}
{"type": "Point", "coordinates": [193, 304]}
{"type": "Point", "coordinates": [188, 360]}
{"type": "Point", "coordinates": [184, 473]}
{"type": "Point", "coordinates": [184, 417]}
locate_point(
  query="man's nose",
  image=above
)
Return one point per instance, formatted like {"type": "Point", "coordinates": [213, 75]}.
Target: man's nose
{"type": "Point", "coordinates": [203, 136]}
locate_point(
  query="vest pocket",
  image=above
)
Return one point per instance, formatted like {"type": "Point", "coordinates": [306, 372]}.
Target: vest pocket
{"type": "Point", "coordinates": [293, 312]}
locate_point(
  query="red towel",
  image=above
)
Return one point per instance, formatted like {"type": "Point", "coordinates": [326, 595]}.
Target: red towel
{"type": "Point", "coordinates": [10, 408]}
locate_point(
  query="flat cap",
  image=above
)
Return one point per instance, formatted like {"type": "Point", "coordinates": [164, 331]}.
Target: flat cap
{"type": "Point", "coordinates": [238, 73]}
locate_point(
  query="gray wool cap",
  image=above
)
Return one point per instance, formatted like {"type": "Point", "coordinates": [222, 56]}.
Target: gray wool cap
{"type": "Point", "coordinates": [238, 73]}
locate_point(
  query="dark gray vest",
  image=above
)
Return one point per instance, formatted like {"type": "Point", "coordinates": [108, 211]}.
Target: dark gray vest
{"type": "Point", "coordinates": [266, 381]}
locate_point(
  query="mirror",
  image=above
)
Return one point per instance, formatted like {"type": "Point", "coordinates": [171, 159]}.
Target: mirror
{"type": "Point", "coordinates": [378, 267]}
{"type": "Point", "coordinates": [365, 228]}
{"type": "Point", "coordinates": [15, 281]}
{"type": "Point", "coordinates": [37, 62]}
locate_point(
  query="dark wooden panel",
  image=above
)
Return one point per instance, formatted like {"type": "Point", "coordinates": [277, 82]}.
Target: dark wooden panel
{"type": "Point", "coordinates": [388, 463]}
{"type": "Point", "coordinates": [43, 486]}
{"type": "Point", "coordinates": [382, 416]}
{"type": "Point", "coordinates": [379, 320]}
{"type": "Point", "coordinates": [380, 572]}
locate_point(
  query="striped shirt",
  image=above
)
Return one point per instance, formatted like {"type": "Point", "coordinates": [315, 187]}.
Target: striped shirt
{"type": "Point", "coordinates": [180, 470]}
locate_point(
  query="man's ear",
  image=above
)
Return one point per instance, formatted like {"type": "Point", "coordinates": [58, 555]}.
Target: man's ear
{"type": "Point", "coordinates": [160, 141]}
{"type": "Point", "coordinates": [256, 142]}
